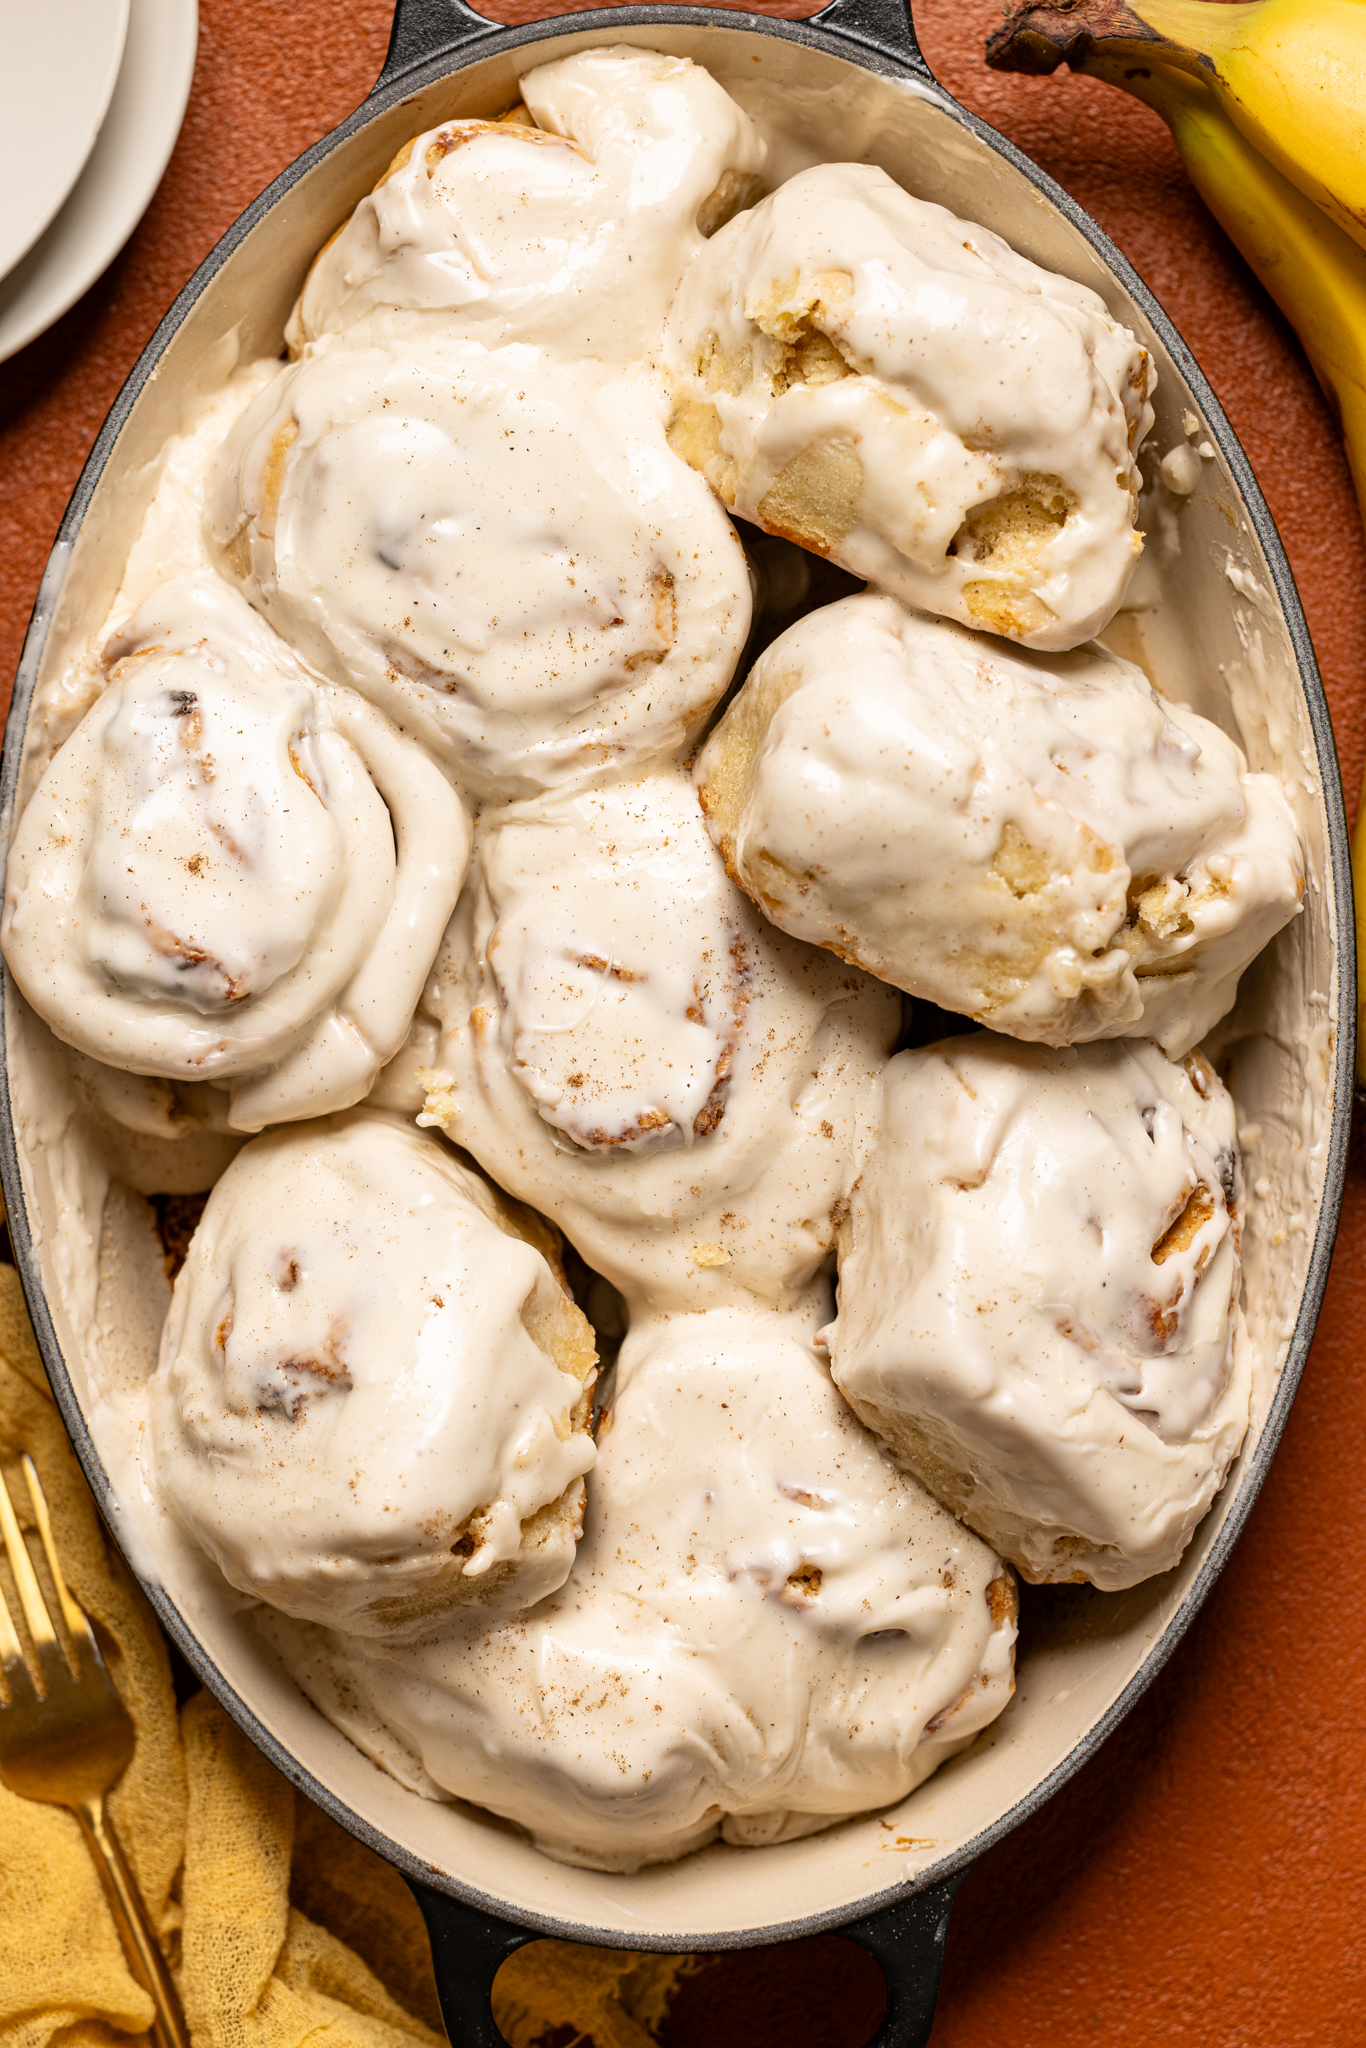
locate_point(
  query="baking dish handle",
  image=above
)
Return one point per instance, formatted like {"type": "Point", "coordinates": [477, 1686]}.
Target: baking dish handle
{"type": "Point", "coordinates": [470, 1947]}
{"type": "Point", "coordinates": [468, 1950]}
{"type": "Point", "coordinates": [882, 25]}
{"type": "Point", "coordinates": [430, 28]}
{"type": "Point", "coordinates": [908, 1940]}
{"type": "Point", "coordinates": [424, 29]}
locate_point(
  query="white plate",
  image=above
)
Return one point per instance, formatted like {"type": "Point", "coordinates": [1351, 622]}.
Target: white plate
{"type": "Point", "coordinates": [58, 65]}
{"type": "Point", "coordinates": [121, 174]}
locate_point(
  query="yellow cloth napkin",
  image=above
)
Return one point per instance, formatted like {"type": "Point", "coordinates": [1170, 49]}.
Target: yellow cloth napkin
{"type": "Point", "coordinates": [279, 1926]}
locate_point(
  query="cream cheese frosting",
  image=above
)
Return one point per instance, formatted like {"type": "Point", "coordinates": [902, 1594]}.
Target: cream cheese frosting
{"type": "Point", "coordinates": [1038, 1296]}
{"type": "Point", "coordinates": [571, 234]}
{"type": "Point", "coordinates": [372, 1399]}
{"type": "Point", "coordinates": [898, 389]}
{"type": "Point", "coordinates": [1039, 842]}
{"type": "Point", "coordinates": [769, 1626]}
{"type": "Point", "coordinates": [230, 872]}
{"type": "Point", "coordinates": [503, 555]}
{"type": "Point", "coordinates": [628, 1046]}
{"type": "Point", "coordinates": [461, 549]}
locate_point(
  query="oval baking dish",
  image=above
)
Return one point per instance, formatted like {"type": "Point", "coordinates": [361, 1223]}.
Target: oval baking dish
{"type": "Point", "coordinates": [1229, 636]}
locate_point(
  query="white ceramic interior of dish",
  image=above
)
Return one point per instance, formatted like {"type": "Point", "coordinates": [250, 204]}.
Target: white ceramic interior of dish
{"type": "Point", "coordinates": [1216, 638]}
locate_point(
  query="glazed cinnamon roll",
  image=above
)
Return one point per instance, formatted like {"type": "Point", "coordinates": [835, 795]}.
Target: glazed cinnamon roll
{"type": "Point", "coordinates": [1039, 842]}
{"type": "Point", "coordinates": [769, 1626]}
{"type": "Point", "coordinates": [504, 557]}
{"type": "Point", "coordinates": [372, 1405]}
{"type": "Point", "coordinates": [1038, 1305]}
{"type": "Point", "coordinates": [861, 371]}
{"type": "Point", "coordinates": [626, 1044]}
{"type": "Point", "coordinates": [569, 228]}
{"type": "Point", "coordinates": [230, 872]}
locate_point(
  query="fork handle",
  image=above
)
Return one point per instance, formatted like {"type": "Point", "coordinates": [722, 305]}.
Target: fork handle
{"type": "Point", "coordinates": [140, 1944]}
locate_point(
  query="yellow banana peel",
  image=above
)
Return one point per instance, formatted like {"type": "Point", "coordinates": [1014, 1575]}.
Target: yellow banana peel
{"type": "Point", "coordinates": [1314, 270]}
{"type": "Point", "coordinates": [1291, 74]}
{"type": "Point", "coordinates": [1310, 266]}
{"type": "Point", "coordinates": [1314, 273]}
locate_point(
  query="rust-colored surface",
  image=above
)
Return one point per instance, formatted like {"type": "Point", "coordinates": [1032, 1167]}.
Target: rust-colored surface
{"type": "Point", "coordinates": [1201, 1882]}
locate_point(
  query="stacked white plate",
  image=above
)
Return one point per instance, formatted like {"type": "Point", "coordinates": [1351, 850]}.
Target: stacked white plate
{"type": "Point", "coordinates": [92, 95]}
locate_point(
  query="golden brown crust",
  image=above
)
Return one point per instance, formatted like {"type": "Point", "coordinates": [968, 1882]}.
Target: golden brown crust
{"type": "Point", "coordinates": [1181, 1234]}
{"type": "Point", "coordinates": [564, 1330]}
{"type": "Point", "coordinates": [732, 750]}
{"type": "Point", "coordinates": [1003, 1601]}
{"type": "Point", "coordinates": [694, 434]}
{"type": "Point", "coordinates": [814, 499]}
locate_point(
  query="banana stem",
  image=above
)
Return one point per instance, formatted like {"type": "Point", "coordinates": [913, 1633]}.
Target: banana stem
{"type": "Point", "coordinates": [1036, 40]}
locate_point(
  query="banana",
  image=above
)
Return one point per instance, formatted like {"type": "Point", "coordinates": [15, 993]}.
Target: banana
{"type": "Point", "coordinates": [1312, 269]}
{"type": "Point", "coordinates": [1291, 74]}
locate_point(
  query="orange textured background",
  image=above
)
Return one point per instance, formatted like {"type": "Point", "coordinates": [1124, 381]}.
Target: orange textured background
{"type": "Point", "coordinates": [1201, 1881]}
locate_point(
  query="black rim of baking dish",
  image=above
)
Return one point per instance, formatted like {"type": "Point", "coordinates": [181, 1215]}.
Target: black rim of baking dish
{"type": "Point", "coordinates": [433, 39]}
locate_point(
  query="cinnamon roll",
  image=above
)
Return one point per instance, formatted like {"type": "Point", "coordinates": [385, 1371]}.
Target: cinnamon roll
{"type": "Point", "coordinates": [372, 1404]}
{"type": "Point", "coordinates": [627, 1045]}
{"type": "Point", "coordinates": [1038, 1298]}
{"type": "Point", "coordinates": [503, 556]}
{"type": "Point", "coordinates": [230, 872]}
{"type": "Point", "coordinates": [1039, 842]}
{"type": "Point", "coordinates": [897, 389]}
{"type": "Point", "coordinates": [769, 1626]}
{"type": "Point", "coordinates": [569, 228]}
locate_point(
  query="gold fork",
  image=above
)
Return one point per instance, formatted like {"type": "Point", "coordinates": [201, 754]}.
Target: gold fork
{"type": "Point", "coordinates": [68, 1740]}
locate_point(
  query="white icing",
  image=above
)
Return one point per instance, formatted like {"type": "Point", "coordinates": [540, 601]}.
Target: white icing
{"type": "Point", "coordinates": [170, 543]}
{"type": "Point", "coordinates": [1180, 469]}
{"type": "Point", "coordinates": [347, 1376]}
{"type": "Point", "coordinates": [207, 885]}
{"type": "Point", "coordinates": [171, 1111]}
{"type": "Point", "coordinates": [768, 1626]}
{"type": "Point", "coordinates": [619, 1041]}
{"type": "Point", "coordinates": [572, 235]}
{"type": "Point", "coordinates": [693, 1109]}
{"type": "Point", "coordinates": [230, 873]}
{"type": "Point", "coordinates": [1039, 1275]}
{"type": "Point", "coordinates": [628, 1046]}
{"type": "Point", "coordinates": [1040, 842]}
{"type": "Point", "coordinates": [937, 370]}
{"type": "Point", "coordinates": [503, 555]}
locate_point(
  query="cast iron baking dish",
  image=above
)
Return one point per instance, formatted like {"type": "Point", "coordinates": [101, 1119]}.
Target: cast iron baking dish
{"type": "Point", "coordinates": [1227, 635]}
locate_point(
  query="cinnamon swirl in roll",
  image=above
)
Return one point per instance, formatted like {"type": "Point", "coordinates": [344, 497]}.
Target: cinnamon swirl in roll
{"type": "Point", "coordinates": [627, 1045]}
{"type": "Point", "coordinates": [373, 1399]}
{"type": "Point", "coordinates": [231, 872]}
{"type": "Point", "coordinates": [502, 555]}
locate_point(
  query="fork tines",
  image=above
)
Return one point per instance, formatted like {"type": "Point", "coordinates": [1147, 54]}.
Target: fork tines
{"type": "Point", "coordinates": [53, 1659]}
